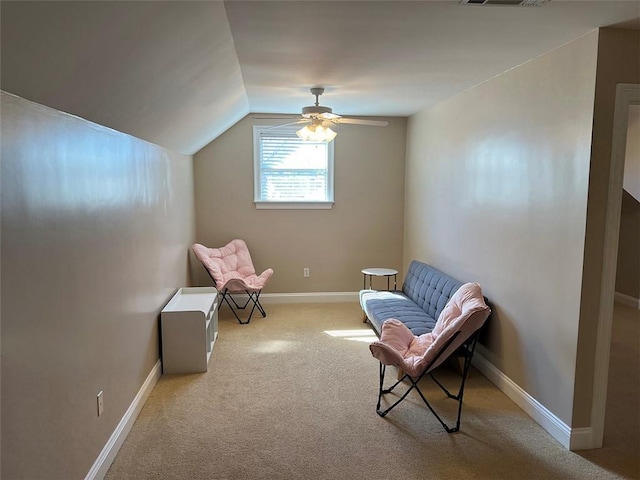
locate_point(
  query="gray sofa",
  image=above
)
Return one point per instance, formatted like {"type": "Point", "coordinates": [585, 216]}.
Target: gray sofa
{"type": "Point", "coordinates": [425, 292]}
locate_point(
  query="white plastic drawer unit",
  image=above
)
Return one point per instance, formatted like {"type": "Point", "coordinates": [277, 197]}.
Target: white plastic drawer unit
{"type": "Point", "coordinates": [189, 328]}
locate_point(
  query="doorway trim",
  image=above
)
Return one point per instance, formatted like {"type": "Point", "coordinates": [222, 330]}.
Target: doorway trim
{"type": "Point", "coordinates": [626, 94]}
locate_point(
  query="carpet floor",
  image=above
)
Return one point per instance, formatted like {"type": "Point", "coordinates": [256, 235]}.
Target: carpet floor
{"type": "Point", "coordinates": [293, 395]}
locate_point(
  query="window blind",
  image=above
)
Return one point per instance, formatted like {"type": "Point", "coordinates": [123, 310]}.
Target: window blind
{"type": "Point", "coordinates": [292, 169]}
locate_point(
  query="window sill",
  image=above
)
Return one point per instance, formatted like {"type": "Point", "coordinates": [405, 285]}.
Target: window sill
{"type": "Point", "coordinates": [293, 205]}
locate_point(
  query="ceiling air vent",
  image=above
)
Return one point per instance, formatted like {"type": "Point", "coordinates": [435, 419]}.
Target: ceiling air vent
{"type": "Point", "coordinates": [511, 3]}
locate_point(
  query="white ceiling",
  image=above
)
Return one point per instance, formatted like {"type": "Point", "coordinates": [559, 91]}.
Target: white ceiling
{"type": "Point", "coordinates": [180, 73]}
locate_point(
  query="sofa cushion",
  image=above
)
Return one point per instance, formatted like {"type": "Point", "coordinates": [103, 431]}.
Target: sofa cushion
{"type": "Point", "coordinates": [425, 292]}
{"type": "Point", "coordinates": [378, 306]}
{"type": "Point", "coordinates": [430, 288]}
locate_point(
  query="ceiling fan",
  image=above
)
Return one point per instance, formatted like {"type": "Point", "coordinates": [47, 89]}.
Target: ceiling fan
{"type": "Point", "coordinates": [319, 119]}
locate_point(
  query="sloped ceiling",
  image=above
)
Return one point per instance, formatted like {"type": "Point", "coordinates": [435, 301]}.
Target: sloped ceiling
{"type": "Point", "coordinates": [180, 73]}
{"type": "Point", "coordinates": [166, 72]}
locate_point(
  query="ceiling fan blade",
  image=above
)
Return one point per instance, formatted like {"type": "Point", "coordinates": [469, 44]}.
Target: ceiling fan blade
{"type": "Point", "coordinates": [287, 124]}
{"type": "Point", "coordinates": [328, 116]}
{"type": "Point", "coordinates": [359, 121]}
{"type": "Point", "coordinates": [280, 117]}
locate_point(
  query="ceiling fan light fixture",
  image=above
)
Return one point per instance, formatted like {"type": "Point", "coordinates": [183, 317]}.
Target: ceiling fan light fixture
{"type": "Point", "coordinates": [316, 133]}
{"type": "Point", "coordinates": [318, 116]}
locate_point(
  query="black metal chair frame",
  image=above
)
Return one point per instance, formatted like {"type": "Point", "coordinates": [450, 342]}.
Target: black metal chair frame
{"type": "Point", "coordinates": [466, 350]}
{"type": "Point", "coordinates": [253, 297]}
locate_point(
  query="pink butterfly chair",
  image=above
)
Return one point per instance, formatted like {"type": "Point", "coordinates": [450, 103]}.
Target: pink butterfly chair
{"type": "Point", "coordinates": [456, 332]}
{"type": "Point", "coordinates": [232, 271]}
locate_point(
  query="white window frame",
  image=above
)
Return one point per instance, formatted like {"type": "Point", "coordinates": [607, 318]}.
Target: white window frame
{"type": "Point", "coordinates": [271, 204]}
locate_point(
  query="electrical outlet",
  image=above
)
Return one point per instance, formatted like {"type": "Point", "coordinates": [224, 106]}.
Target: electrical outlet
{"type": "Point", "coordinates": [100, 403]}
{"type": "Point", "coordinates": [306, 272]}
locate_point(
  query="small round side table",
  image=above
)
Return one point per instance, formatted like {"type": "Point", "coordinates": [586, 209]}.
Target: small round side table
{"type": "Point", "coordinates": [379, 272]}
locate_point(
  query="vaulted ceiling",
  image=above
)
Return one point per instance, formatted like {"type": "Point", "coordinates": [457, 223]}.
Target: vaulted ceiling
{"type": "Point", "coordinates": [180, 73]}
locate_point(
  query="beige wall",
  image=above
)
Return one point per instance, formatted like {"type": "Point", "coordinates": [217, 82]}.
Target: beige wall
{"type": "Point", "coordinates": [628, 271]}
{"type": "Point", "coordinates": [95, 230]}
{"type": "Point", "coordinates": [363, 229]}
{"type": "Point", "coordinates": [496, 190]}
{"type": "Point", "coordinates": [631, 181]}
{"type": "Point", "coordinates": [618, 62]}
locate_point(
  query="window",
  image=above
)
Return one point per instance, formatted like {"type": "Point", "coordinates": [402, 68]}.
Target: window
{"type": "Point", "coordinates": [289, 172]}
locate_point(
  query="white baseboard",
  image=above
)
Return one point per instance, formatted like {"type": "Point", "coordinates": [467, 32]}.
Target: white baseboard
{"type": "Point", "coordinates": [582, 439]}
{"type": "Point", "coordinates": [627, 300]}
{"type": "Point", "coordinates": [108, 454]}
{"type": "Point", "coordinates": [547, 420]}
{"type": "Point", "coordinates": [310, 297]}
